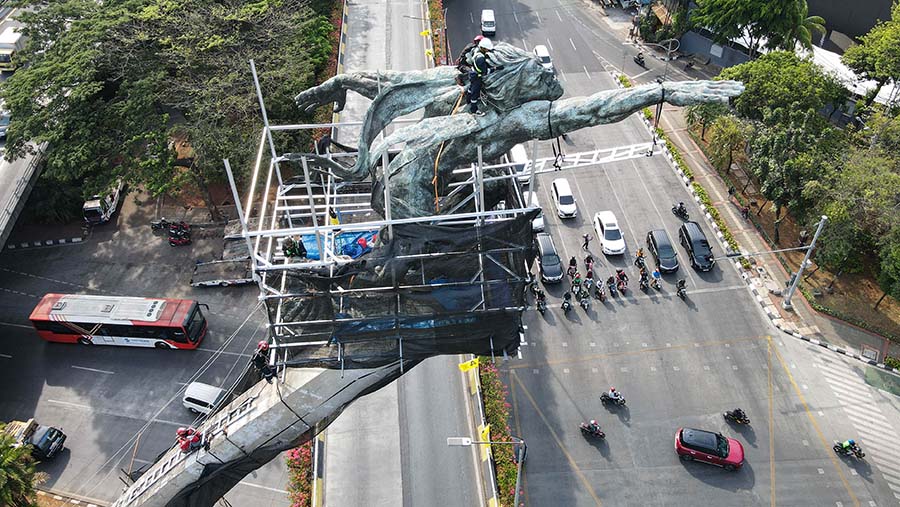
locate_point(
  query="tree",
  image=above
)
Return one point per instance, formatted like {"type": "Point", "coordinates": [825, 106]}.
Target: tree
{"type": "Point", "coordinates": [889, 274]}
{"type": "Point", "coordinates": [704, 115]}
{"type": "Point", "coordinates": [787, 151]}
{"type": "Point", "coordinates": [745, 19]}
{"type": "Point", "coordinates": [110, 84]}
{"type": "Point", "coordinates": [878, 56]}
{"type": "Point", "coordinates": [781, 79]}
{"type": "Point", "coordinates": [727, 134]}
{"type": "Point", "coordinates": [801, 33]}
{"type": "Point", "coordinates": [18, 477]}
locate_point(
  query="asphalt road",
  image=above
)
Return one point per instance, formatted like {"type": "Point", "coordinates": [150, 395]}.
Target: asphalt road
{"type": "Point", "coordinates": [102, 397]}
{"type": "Point", "coordinates": [679, 363]}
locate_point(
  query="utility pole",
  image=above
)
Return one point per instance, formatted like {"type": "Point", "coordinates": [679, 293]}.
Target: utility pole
{"type": "Point", "coordinates": [786, 303]}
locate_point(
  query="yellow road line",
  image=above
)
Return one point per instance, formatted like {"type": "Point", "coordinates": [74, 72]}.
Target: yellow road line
{"type": "Point", "coordinates": [771, 420]}
{"type": "Point", "coordinates": [821, 436]}
{"type": "Point", "coordinates": [515, 407]}
{"type": "Point", "coordinates": [594, 357]}
{"type": "Point", "coordinates": [559, 443]}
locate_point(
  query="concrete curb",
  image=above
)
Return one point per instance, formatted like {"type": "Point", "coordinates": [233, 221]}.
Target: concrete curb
{"type": "Point", "coordinates": [69, 498]}
{"type": "Point", "coordinates": [46, 242]}
{"type": "Point", "coordinates": [764, 301]}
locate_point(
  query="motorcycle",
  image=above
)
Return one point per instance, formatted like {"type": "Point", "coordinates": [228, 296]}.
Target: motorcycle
{"type": "Point", "coordinates": [541, 306]}
{"type": "Point", "coordinates": [682, 292]}
{"type": "Point", "coordinates": [654, 282]}
{"type": "Point", "coordinates": [599, 294]}
{"type": "Point", "coordinates": [854, 450]}
{"type": "Point", "coordinates": [585, 303]}
{"type": "Point", "coordinates": [733, 416]}
{"type": "Point", "coordinates": [181, 228]}
{"type": "Point", "coordinates": [644, 284]}
{"type": "Point", "coordinates": [159, 225]}
{"type": "Point", "coordinates": [639, 262]}
{"type": "Point", "coordinates": [566, 306]}
{"type": "Point", "coordinates": [680, 212]}
{"type": "Point", "coordinates": [591, 432]}
{"type": "Point", "coordinates": [605, 398]}
{"type": "Point", "coordinates": [179, 240]}
{"type": "Point", "coordinates": [639, 59]}
{"type": "Point", "coordinates": [621, 286]}
{"type": "Point", "coordinates": [612, 289]}
{"type": "Point", "coordinates": [589, 264]}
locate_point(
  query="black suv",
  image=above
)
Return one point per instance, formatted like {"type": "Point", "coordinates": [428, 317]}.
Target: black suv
{"type": "Point", "coordinates": [694, 241]}
{"type": "Point", "coordinates": [660, 246]}
{"type": "Point", "coordinates": [548, 259]}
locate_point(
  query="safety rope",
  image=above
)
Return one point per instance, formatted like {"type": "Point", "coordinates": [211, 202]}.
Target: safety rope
{"type": "Point", "coordinates": [437, 159]}
{"type": "Point", "coordinates": [558, 156]}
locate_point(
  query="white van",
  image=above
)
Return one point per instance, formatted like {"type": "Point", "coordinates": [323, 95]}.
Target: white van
{"type": "Point", "coordinates": [202, 398]}
{"type": "Point", "coordinates": [488, 24]}
{"type": "Point", "coordinates": [563, 198]}
{"type": "Point", "coordinates": [518, 157]}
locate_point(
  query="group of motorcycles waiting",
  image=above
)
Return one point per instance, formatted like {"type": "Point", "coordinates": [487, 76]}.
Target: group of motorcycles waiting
{"type": "Point", "coordinates": [179, 232]}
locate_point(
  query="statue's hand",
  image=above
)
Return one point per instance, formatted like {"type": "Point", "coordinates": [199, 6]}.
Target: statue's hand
{"type": "Point", "coordinates": [686, 93]}
{"type": "Point", "coordinates": [327, 92]}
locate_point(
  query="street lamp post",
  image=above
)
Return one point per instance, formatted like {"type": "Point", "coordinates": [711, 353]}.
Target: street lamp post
{"type": "Point", "coordinates": [786, 302]}
{"type": "Point", "coordinates": [670, 45]}
{"type": "Point", "coordinates": [520, 455]}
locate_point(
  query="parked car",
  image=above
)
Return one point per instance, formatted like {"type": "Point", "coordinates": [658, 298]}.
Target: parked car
{"type": "Point", "coordinates": [608, 233]}
{"type": "Point", "coordinates": [531, 201]}
{"type": "Point", "coordinates": [541, 52]}
{"type": "Point", "coordinates": [548, 260]}
{"type": "Point", "coordinates": [659, 244]}
{"type": "Point", "coordinates": [694, 241]}
{"type": "Point", "coordinates": [518, 156]}
{"type": "Point", "coordinates": [202, 398]}
{"type": "Point", "coordinates": [708, 447]}
{"type": "Point", "coordinates": [563, 198]}
{"type": "Point", "coordinates": [4, 120]}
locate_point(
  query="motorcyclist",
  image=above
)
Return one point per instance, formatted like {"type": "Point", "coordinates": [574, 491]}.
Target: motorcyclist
{"type": "Point", "coordinates": [614, 395]}
{"type": "Point", "coordinates": [656, 276]}
{"type": "Point", "coordinates": [589, 280]}
{"type": "Point", "coordinates": [640, 57]}
{"type": "Point", "coordinates": [849, 446]}
{"type": "Point", "coordinates": [541, 297]}
{"type": "Point", "coordinates": [644, 275]}
{"type": "Point", "coordinates": [611, 282]}
{"type": "Point", "coordinates": [573, 262]}
{"type": "Point", "coordinates": [681, 209]}
{"type": "Point", "coordinates": [589, 262]}
{"type": "Point", "coordinates": [738, 414]}
{"type": "Point", "coordinates": [576, 281]}
{"type": "Point", "coordinates": [593, 427]}
{"type": "Point", "coordinates": [621, 276]}
{"type": "Point", "coordinates": [680, 284]}
{"type": "Point", "coordinates": [640, 253]}
{"type": "Point", "coordinates": [572, 271]}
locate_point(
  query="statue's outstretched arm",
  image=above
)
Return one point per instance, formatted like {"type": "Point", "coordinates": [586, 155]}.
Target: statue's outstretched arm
{"type": "Point", "coordinates": [367, 84]}
{"type": "Point", "coordinates": [610, 106]}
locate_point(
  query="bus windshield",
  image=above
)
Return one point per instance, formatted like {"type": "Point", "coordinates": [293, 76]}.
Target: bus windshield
{"type": "Point", "coordinates": [196, 324]}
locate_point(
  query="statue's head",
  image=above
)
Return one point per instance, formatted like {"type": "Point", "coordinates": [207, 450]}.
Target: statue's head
{"type": "Point", "coordinates": [521, 79]}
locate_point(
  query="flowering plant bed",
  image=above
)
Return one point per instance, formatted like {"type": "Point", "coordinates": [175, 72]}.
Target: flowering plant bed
{"type": "Point", "coordinates": [496, 411]}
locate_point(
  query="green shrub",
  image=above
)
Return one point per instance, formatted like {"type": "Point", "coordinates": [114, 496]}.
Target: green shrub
{"type": "Point", "coordinates": [625, 81]}
{"type": "Point", "coordinates": [893, 362]}
{"type": "Point", "coordinates": [496, 412]}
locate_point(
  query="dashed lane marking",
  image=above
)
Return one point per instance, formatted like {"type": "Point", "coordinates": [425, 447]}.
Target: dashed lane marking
{"type": "Point", "coordinates": [105, 372]}
{"type": "Point", "coordinates": [10, 324]}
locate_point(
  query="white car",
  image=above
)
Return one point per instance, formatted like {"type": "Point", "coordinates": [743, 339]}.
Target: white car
{"type": "Point", "coordinates": [563, 198]}
{"type": "Point", "coordinates": [531, 201]}
{"type": "Point", "coordinates": [608, 233]}
{"type": "Point", "coordinates": [541, 52]}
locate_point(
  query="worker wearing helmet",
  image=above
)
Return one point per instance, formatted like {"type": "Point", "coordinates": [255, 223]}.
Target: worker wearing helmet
{"type": "Point", "coordinates": [480, 69]}
{"type": "Point", "coordinates": [260, 360]}
{"type": "Point", "coordinates": [463, 64]}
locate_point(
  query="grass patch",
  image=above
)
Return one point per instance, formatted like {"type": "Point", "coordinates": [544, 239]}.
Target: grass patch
{"type": "Point", "coordinates": [880, 379]}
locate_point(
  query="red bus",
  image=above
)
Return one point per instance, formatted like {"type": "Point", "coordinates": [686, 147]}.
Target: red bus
{"type": "Point", "coordinates": [114, 320]}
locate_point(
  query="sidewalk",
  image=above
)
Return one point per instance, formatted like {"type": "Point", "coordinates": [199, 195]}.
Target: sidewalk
{"type": "Point", "coordinates": [769, 277]}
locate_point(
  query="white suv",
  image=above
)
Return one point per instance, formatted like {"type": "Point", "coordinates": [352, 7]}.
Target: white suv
{"type": "Point", "coordinates": [563, 198]}
{"type": "Point", "coordinates": [608, 233]}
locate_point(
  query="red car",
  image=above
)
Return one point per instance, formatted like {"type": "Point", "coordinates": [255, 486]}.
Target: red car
{"type": "Point", "coordinates": [714, 448]}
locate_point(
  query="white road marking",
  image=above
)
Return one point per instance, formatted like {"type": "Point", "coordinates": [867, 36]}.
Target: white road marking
{"type": "Point", "coordinates": [10, 324]}
{"type": "Point", "coordinates": [78, 405]}
{"type": "Point", "coordinates": [586, 73]}
{"type": "Point", "coordinates": [105, 372]}
{"type": "Point", "coordinates": [525, 45]}
{"type": "Point", "coordinates": [6, 356]}
{"type": "Point", "coordinates": [471, 17]}
{"type": "Point", "coordinates": [641, 74]}
{"type": "Point", "coordinates": [538, 14]}
{"type": "Point", "coordinates": [515, 17]}
{"type": "Point", "coordinates": [264, 487]}
{"type": "Point", "coordinates": [171, 423]}
{"type": "Point", "coordinates": [214, 351]}
{"type": "Point", "coordinates": [549, 45]}
{"type": "Point", "coordinates": [558, 16]}
{"type": "Point", "coordinates": [573, 44]}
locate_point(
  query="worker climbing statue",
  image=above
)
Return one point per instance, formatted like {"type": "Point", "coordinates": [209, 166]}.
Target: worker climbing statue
{"type": "Point", "coordinates": [432, 304]}
{"type": "Point", "coordinates": [521, 102]}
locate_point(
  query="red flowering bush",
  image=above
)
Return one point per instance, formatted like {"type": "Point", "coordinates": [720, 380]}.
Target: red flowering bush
{"type": "Point", "coordinates": [438, 24]}
{"type": "Point", "coordinates": [496, 411]}
{"type": "Point", "coordinates": [329, 70]}
{"type": "Point", "coordinates": [299, 463]}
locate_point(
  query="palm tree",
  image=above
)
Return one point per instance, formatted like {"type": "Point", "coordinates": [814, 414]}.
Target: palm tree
{"type": "Point", "coordinates": [17, 475]}
{"type": "Point", "coordinates": [803, 31]}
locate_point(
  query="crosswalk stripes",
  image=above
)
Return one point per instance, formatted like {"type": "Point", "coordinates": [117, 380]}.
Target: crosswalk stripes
{"type": "Point", "coordinates": [875, 432]}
